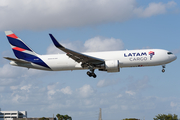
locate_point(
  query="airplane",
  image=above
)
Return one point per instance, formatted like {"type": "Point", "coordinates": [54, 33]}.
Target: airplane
{"type": "Point", "coordinates": [109, 61]}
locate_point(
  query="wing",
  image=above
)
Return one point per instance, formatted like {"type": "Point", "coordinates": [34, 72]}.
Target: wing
{"type": "Point", "coordinates": [16, 60]}
{"type": "Point", "coordinates": [78, 57]}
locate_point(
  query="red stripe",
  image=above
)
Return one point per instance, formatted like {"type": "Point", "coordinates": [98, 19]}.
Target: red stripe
{"type": "Point", "coordinates": [12, 36]}
{"type": "Point", "coordinates": [18, 49]}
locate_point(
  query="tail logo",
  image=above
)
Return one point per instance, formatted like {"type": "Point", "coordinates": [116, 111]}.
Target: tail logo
{"type": "Point", "coordinates": [151, 53]}
{"type": "Point", "coordinates": [22, 51]}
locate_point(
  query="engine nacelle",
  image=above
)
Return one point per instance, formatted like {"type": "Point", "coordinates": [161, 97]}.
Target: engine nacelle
{"type": "Point", "coordinates": [112, 66]}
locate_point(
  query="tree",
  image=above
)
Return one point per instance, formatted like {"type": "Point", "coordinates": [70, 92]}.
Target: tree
{"type": "Point", "coordinates": [66, 117]}
{"type": "Point", "coordinates": [130, 119]}
{"type": "Point", "coordinates": [60, 117]}
{"type": "Point", "coordinates": [166, 117]}
{"type": "Point", "coordinates": [57, 115]}
{"type": "Point", "coordinates": [63, 117]}
{"type": "Point", "coordinates": [43, 118]}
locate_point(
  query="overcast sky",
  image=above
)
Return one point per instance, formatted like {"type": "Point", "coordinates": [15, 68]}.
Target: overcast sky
{"type": "Point", "coordinates": [91, 25]}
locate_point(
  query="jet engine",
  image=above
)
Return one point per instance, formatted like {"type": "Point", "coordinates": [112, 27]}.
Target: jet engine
{"type": "Point", "coordinates": [111, 66]}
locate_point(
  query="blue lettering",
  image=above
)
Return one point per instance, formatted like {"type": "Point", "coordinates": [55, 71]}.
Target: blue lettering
{"type": "Point", "coordinates": [129, 54]}
{"type": "Point", "coordinates": [134, 54]}
{"type": "Point", "coordinates": [138, 54]}
{"type": "Point", "coordinates": [143, 54]}
{"type": "Point", "coordinates": [125, 55]}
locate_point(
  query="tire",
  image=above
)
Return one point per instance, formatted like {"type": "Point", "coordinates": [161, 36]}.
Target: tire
{"type": "Point", "coordinates": [163, 70]}
{"type": "Point", "coordinates": [89, 74]}
{"type": "Point", "coordinates": [94, 76]}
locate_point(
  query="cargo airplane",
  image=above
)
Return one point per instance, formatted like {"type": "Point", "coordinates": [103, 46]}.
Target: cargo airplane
{"type": "Point", "coordinates": [109, 61]}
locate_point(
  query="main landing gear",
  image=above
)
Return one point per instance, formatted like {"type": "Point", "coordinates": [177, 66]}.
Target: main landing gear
{"type": "Point", "coordinates": [91, 73]}
{"type": "Point", "coordinates": [163, 70]}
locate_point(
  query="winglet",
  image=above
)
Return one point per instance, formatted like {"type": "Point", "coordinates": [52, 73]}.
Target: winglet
{"type": "Point", "coordinates": [56, 43]}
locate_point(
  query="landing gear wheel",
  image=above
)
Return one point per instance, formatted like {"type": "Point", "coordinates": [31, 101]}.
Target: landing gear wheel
{"type": "Point", "coordinates": [163, 70]}
{"type": "Point", "coordinates": [91, 74]}
{"type": "Point", "coordinates": [94, 75]}
{"type": "Point", "coordinates": [88, 73]}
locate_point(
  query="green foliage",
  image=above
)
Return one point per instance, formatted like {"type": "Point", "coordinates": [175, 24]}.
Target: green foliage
{"type": "Point", "coordinates": [130, 119]}
{"type": "Point", "coordinates": [43, 118]}
{"type": "Point", "coordinates": [63, 117]}
{"type": "Point", "coordinates": [166, 117]}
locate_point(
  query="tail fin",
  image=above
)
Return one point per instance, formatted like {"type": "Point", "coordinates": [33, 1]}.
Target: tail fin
{"type": "Point", "coordinates": [20, 49]}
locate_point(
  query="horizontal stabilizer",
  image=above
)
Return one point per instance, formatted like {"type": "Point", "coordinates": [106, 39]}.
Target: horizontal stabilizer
{"type": "Point", "coordinates": [16, 60]}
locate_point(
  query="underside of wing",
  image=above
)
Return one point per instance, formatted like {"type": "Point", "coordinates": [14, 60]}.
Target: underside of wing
{"type": "Point", "coordinates": [86, 60]}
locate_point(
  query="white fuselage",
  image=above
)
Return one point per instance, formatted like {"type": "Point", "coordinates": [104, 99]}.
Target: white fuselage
{"type": "Point", "coordinates": [126, 58]}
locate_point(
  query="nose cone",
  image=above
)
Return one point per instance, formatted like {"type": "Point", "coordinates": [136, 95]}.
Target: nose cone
{"type": "Point", "coordinates": [175, 57]}
{"type": "Point", "coordinates": [171, 58]}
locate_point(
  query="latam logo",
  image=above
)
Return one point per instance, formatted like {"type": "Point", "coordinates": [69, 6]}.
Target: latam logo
{"type": "Point", "coordinates": [135, 54]}
{"type": "Point", "coordinates": [151, 53]}
{"type": "Point", "coordinates": [139, 56]}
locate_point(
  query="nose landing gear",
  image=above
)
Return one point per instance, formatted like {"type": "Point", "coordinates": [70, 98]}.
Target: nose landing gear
{"type": "Point", "coordinates": [163, 70]}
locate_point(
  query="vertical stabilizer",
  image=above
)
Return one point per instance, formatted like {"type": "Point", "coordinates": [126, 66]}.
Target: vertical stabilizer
{"type": "Point", "coordinates": [20, 49]}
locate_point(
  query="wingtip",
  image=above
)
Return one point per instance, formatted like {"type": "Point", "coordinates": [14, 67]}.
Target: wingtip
{"type": "Point", "coordinates": [56, 43]}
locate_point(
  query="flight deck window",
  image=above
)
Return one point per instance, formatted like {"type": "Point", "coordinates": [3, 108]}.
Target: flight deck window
{"type": "Point", "coordinates": [169, 53]}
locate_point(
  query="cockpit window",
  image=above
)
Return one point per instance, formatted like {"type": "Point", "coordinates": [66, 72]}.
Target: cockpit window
{"type": "Point", "coordinates": [169, 53]}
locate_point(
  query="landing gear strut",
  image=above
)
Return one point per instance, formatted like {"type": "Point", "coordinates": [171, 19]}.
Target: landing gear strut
{"type": "Point", "coordinates": [163, 70]}
{"type": "Point", "coordinates": [91, 73]}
